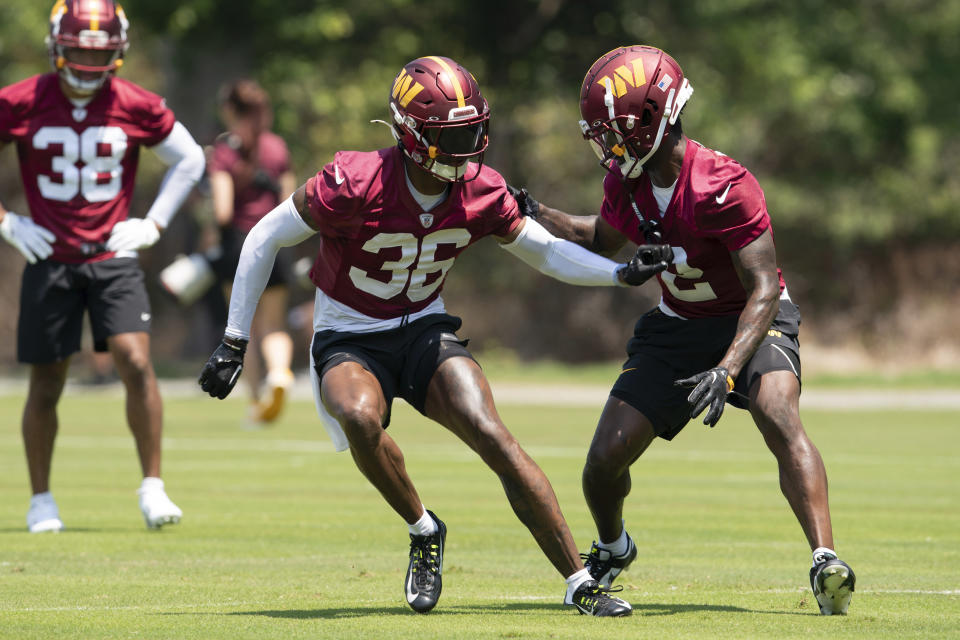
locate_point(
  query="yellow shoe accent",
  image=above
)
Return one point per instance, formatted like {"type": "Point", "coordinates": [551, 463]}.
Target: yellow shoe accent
{"type": "Point", "coordinates": [271, 404]}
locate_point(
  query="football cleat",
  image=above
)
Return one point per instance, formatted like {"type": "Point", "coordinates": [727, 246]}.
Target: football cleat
{"type": "Point", "coordinates": [593, 599]}
{"type": "Point", "coordinates": [832, 581]}
{"type": "Point", "coordinates": [43, 515]}
{"type": "Point", "coordinates": [603, 566]}
{"type": "Point", "coordinates": [423, 584]}
{"type": "Point", "coordinates": [157, 508]}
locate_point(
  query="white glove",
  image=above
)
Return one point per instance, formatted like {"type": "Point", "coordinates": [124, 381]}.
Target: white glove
{"type": "Point", "coordinates": [29, 238]}
{"type": "Point", "coordinates": [133, 234]}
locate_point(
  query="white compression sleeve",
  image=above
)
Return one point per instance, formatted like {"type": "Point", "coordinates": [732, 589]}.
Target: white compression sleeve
{"type": "Point", "coordinates": [184, 156]}
{"type": "Point", "coordinates": [282, 227]}
{"type": "Point", "coordinates": [561, 259]}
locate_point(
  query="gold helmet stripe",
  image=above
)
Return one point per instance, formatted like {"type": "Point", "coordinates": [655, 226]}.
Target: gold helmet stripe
{"type": "Point", "coordinates": [60, 7]}
{"type": "Point", "coordinates": [453, 78]}
{"type": "Point", "coordinates": [94, 16]}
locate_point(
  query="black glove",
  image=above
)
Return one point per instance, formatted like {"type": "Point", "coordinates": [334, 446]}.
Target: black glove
{"type": "Point", "coordinates": [223, 368]}
{"type": "Point", "coordinates": [710, 388]}
{"type": "Point", "coordinates": [649, 260]}
{"type": "Point", "coordinates": [528, 206]}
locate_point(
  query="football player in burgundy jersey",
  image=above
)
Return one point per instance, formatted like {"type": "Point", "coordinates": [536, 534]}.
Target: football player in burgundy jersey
{"type": "Point", "coordinates": [249, 175]}
{"type": "Point", "coordinates": [78, 133]}
{"type": "Point", "coordinates": [391, 223]}
{"type": "Point", "coordinates": [725, 324]}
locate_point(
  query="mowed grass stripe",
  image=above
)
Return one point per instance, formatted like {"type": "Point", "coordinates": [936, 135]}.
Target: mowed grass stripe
{"type": "Point", "coordinates": [282, 538]}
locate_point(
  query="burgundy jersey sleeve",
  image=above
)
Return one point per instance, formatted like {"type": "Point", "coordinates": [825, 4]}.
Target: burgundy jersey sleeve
{"type": "Point", "coordinates": [337, 194]}
{"type": "Point", "coordinates": [489, 192]}
{"type": "Point", "coordinates": [15, 102]}
{"type": "Point", "coordinates": [8, 117]}
{"type": "Point", "coordinates": [151, 120]}
{"type": "Point", "coordinates": [737, 215]}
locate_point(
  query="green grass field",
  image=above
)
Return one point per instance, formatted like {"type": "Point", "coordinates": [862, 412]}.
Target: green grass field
{"type": "Point", "coordinates": [282, 538]}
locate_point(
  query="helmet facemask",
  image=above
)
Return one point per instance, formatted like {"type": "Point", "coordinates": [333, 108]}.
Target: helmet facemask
{"type": "Point", "coordinates": [444, 148]}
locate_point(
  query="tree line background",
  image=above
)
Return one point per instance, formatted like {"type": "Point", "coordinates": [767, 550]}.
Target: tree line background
{"type": "Point", "coordinates": [847, 112]}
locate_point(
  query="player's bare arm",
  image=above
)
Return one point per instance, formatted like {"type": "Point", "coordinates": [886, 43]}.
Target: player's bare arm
{"type": "Point", "coordinates": [222, 192]}
{"type": "Point", "coordinates": [300, 202]}
{"type": "Point", "coordinates": [756, 265]}
{"type": "Point", "coordinates": [590, 232]}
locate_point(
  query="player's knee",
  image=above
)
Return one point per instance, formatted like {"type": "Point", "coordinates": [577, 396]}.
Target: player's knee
{"type": "Point", "coordinates": [598, 475]}
{"type": "Point", "coordinates": [606, 457]}
{"type": "Point", "coordinates": [361, 422]}
{"type": "Point", "coordinates": [134, 367]}
{"type": "Point", "coordinates": [45, 392]}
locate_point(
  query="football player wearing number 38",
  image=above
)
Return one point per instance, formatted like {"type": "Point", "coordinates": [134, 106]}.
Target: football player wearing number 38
{"type": "Point", "coordinates": [725, 325]}
{"type": "Point", "coordinates": [392, 222]}
{"type": "Point", "coordinates": [78, 133]}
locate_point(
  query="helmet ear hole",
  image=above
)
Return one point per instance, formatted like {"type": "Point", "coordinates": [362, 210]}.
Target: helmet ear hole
{"type": "Point", "coordinates": [648, 113]}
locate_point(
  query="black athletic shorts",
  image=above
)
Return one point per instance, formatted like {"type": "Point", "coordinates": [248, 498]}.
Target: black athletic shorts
{"type": "Point", "coordinates": [231, 243]}
{"type": "Point", "coordinates": [54, 295]}
{"type": "Point", "coordinates": [664, 349]}
{"type": "Point", "coordinates": [403, 359]}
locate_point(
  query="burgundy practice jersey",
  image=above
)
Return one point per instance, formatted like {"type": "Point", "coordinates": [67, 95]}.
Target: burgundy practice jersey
{"type": "Point", "coordinates": [78, 164]}
{"type": "Point", "coordinates": [717, 207]}
{"type": "Point", "coordinates": [255, 180]}
{"type": "Point", "coordinates": [381, 254]}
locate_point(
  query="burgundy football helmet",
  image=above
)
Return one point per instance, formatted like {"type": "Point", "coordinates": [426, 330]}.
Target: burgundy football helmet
{"type": "Point", "coordinates": [87, 25]}
{"type": "Point", "coordinates": [440, 119]}
{"type": "Point", "coordinates": [628, 97]}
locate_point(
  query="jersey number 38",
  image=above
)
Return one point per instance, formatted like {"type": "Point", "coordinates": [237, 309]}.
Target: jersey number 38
{"type": "Point", "coordinates": [100, 151]}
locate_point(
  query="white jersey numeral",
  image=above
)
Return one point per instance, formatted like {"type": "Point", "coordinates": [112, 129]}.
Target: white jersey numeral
{"type": "Point", "coordinates": [420, 255]}
{"type": "Point", "coordinates": [700, 292]}
{"type": "Point", "coordinates": [87, 147]}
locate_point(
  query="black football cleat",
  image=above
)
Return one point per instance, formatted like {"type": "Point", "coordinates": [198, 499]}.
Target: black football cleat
{"type": "Point", "coordinates": [423, 584]}
{"type": "Point", "coordinates": [592, 599]}
{"type": "Point", "coordinates": [603, 566]}
{"type": "Point", "coordinates": [833, 582]}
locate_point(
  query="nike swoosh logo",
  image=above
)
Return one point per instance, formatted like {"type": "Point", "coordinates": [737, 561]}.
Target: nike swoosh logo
{"type": "Point", "coordinates": [723, 198]}
{"type": "Point", "coordinates": [411, 595]}
{"type": "Point", "coordinates": [340, 179]}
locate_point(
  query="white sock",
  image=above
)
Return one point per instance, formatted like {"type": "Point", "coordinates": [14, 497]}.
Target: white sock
{"type": "Point", "coordinates": [822, 553]}
{"type": "Point", "coordinates": [574, 582]}
{"type": "Point", "coordinates": [425, 526]}
{"type": "Point", "coordinates": [151, 484]}
{"type": "Point", "coordinates": [41, 498]}
{"type": "Point", "coordinates": [618, 547]}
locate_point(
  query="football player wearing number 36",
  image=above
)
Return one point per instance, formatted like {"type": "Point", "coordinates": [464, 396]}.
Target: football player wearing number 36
{"type": "Point", "coordinates": [392, 222]}
{"type": "Point", "coordinates": [725, 325]}
{"type": "Point", "coordinates": [78, 133]}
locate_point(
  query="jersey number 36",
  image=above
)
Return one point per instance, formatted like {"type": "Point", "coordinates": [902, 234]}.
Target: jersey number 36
{"type": "Point", "coordinates": [421, 256]}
